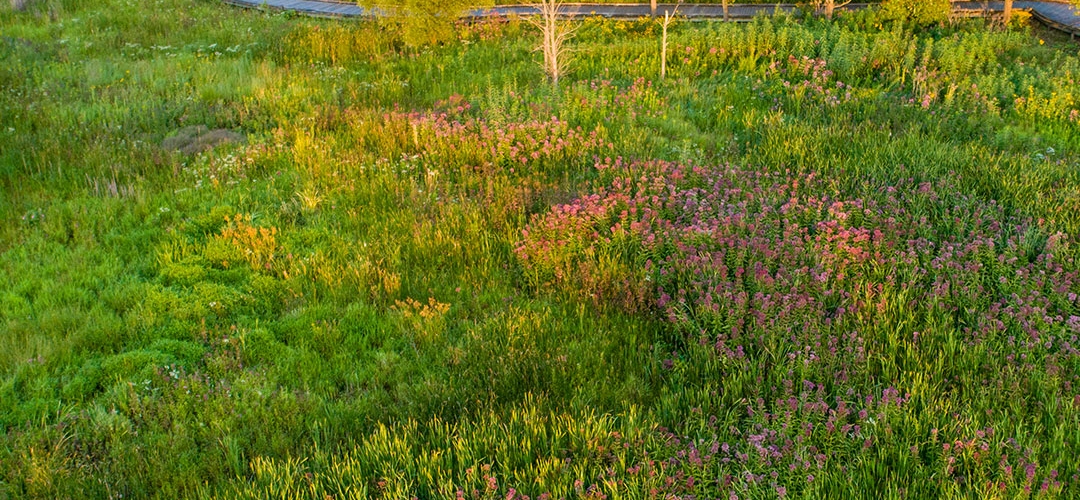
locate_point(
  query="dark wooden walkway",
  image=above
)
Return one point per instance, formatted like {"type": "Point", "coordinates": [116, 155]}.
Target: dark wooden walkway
{"type": "Point", "coordinates": [1054, 14]}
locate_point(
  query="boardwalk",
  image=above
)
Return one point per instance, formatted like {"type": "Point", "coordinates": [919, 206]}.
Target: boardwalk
{"type": "Point", "coordinates": [1056, 15]}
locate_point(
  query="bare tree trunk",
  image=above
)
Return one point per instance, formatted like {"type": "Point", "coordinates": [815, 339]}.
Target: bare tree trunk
{"type": "Point", "coordinates": [1007, 16]}
{"type": "Point", "coordinates": [663, 51]}
{"type": "Point", "coordinates": [668, 17]}
{"type": "Point", "coordinates": [831, 6]}
{"type": "Point", "coordinates": [725, 4]}
{"type": "Point", "coordinates": [652, 8]}
{"type": "Point", "coordinates": [555, 35]}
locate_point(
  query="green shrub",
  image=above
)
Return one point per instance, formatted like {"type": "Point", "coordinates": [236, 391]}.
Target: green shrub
{"type": "Point", "coordinates": [916, 12]}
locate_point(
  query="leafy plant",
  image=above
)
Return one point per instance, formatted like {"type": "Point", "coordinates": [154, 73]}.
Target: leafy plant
{"type": "Point", "coordinates": [424, 22]}
{"type": "Point", "coordinates": [916, 12]}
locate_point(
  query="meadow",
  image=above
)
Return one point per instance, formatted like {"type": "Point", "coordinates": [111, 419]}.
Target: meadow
{"type": "Point", "coordinates": [818, 260]}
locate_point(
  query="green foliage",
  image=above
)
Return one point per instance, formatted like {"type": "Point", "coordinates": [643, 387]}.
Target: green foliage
{"type": "Point", "coordinates": [916, 12]}
{"type": "Point", "coordinates": [424, 22]}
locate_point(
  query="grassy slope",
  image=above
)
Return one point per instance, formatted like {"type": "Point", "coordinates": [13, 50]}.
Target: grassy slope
{"type": "Point", "coordinates": [151, 347]}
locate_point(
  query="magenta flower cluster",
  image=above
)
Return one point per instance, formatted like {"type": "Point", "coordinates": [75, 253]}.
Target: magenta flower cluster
{"type": "Point", "coordinates": [737, 256]}
{"type": "Point", "coordinates": [759, 267]}
{"type": "Point", "coordinates": [809, 78]}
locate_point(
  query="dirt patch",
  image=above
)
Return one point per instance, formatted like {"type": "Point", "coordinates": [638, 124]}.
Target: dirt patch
{"type": "Point", "coordinates": [22, 5]}
{"type": "Point", "coordinates": [199, 138]}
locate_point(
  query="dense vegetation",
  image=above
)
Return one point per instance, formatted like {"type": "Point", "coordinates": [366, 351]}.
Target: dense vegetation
{"type": "Point", "coordinates": [818, 260]}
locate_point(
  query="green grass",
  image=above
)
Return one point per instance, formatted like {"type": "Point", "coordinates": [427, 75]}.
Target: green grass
{"type": "Point", "coordinates": [338, 306]}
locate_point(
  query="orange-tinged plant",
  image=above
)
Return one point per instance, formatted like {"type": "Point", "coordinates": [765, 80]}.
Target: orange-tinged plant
{"type": "Point", "coordinates": [424, 321]}
{"type": "Point", "coordinates": [412, 307]}
{"type": "Point", "coordinates": [257, 244]}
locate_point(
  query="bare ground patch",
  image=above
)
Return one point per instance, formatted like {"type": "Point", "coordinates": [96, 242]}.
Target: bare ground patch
{"type": "Point", "coordinates": [199, 138]}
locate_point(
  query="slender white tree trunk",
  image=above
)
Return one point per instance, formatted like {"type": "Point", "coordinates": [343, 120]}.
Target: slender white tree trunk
{"type": "Point", "coordinates": [668, 17]}
{"type": "Point", "coordinates": [663, 53]}
{"type": "Point", "coordinates": [555, 34]}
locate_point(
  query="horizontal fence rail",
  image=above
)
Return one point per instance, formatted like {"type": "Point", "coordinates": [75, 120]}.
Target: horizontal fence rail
{"type": "Point", "coordinates": [1056, 15]}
